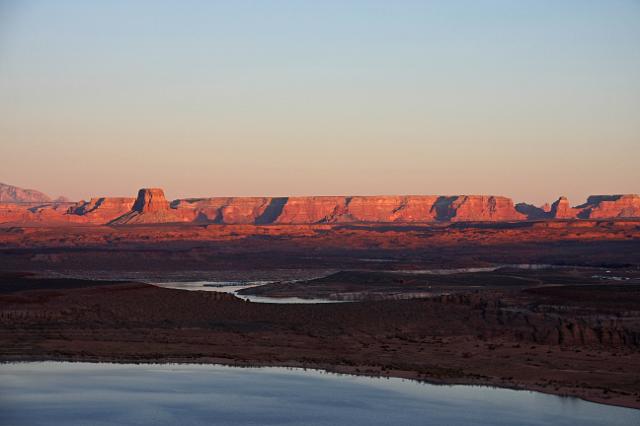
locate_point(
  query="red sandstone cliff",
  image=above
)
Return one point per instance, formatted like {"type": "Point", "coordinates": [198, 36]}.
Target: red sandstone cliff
{"type": "Point", "coordinates": [410, 208]}
{"type": "Point", "coordinates": [298, 210]}
{"type": "Point", "coordinates": [103, 209]}
{"type": "Point", "coordinates": [561, 209]}
{"type": "Point", "coordinates": [236, 210]}
{"type": "Point", "coordinates": [480, 208]}
{"type": "Point", "coordinates": [606, 206]}
{"type": "Point", "coordinates": [376, 209]}
{"type": "Point", "coordinates": [151, 207]}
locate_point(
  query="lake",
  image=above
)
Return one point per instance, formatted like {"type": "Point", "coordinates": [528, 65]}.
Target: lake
{"type": "Point", "coordinates": [233, 287]}
{"type": "Point", "coordinates": [58, 393]}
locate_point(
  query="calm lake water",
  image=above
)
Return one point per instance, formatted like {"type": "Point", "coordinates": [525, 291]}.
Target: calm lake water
{"type": "Point", "coordinates": [55, 393]}
{"type": "Point", "coordinates": [233, 287]}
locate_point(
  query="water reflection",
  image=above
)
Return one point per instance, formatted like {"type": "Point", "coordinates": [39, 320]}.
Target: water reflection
{"type": "Point", "coordinates": [53, 393]}
{"type": "Point", "coordinates": [234, 286]}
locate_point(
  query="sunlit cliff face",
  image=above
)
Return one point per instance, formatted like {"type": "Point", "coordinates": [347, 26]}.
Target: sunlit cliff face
{"type": "Point", "coordinates": [151, 206]}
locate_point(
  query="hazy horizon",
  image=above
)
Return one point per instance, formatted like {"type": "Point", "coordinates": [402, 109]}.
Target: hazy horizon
{"type": "Point", "coordinates": [530, 100]}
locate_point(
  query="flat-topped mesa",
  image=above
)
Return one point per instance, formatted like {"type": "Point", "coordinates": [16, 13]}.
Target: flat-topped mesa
{"type": "Point", "coordinates": [610, 206]}
{"type": "Point", "coordinates": [150, 200]}
{"type": "Point", "coordinates": [341, 209]}
{"type": "Point", "coordinates": [150, 206]}
{"type": "Point", "coordinates": [561, 209]}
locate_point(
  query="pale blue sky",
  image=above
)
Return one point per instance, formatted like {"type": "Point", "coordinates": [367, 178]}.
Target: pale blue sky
{"type": "Point", "coordinates": [529, 99]}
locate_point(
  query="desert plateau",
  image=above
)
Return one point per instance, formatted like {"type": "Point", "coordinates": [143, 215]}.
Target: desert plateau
{"type": "Point", "coordinates": [456, 289]}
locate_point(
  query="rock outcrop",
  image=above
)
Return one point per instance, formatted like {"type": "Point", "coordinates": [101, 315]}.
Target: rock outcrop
{"type": "Point", "coordinates": [482, 208]}
{"type": "Point", "coordinates": [596, 207]}
{"type": "Point", "coordinates": [151, 200]}
{"type": "Point", "coordinates": [561, 209]}
{"type": "Point", "coordinates": [103, 209]}
{"type": "Point", "coordinates": [609, 206]}
{"type": "Point", "coordinates": [13, 194]}
{"type": "Point", "coordinates": [150, 206]}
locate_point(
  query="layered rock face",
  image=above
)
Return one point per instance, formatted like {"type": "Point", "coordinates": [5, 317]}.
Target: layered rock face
{"type": "Point", "coordinates": [411, 208]}
{"type": "Point", "coordinates": [237, 210]}
{"type": "Point", "coordinates": [561, 209]}
{"type": "Point", "coordinates": [596, 207]}
{"type": "Point", "coordinates": [480, 208]}
{"type": "Point", "coordinates": [299, 210]}
{"type": "Point", "coordinates": [605, 206]}
{"type": "Point", "coordinates": [386, 209]}
{"type": "Point", "coordinates": [243, 210]}
{"type": "Point", "coordinates": [371, 209]}
{"type": "Point", "coordinates": [150, 200]}
{"type": "Point", "coordinates": [151, 207]}
{"type": "Point", "coordinates": [13, 194]}
{"type": "Point", "coordinates": [103, 209]}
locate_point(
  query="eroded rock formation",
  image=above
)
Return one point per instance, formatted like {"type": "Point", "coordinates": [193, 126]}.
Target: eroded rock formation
{"type": "Point", "coordinates": [103, 209]}
{"type": "Point", "coordinates": [608, 206]}
{"type": "Point", "coordinates": [482, 208]}
{"type": "Point", "coordinates": [151, 206]}
{"type": "Point", "coordinates": [561, 209]}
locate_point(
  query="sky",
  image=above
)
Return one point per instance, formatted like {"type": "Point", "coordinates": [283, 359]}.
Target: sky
{"type": "Point", "coordinates": [528, 99]}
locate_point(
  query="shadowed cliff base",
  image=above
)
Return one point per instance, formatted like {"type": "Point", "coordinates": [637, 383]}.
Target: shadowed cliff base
{"type": "Point", "coordinates": [272, 212]}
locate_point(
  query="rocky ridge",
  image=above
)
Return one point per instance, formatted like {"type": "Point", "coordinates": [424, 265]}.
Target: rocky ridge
{"type": "Point", "coordinates": [151, 206]}
{"type": "Point", "coordinates": [13, 194]}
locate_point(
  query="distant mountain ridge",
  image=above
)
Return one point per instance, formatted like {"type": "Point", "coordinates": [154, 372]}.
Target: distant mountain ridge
{"type": "Point", "coordinates": [151, 207]}
{"type": "Point", "coordinates": [13, 194]}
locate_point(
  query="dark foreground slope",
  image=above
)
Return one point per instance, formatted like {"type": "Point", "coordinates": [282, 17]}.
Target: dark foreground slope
{"type": "Point", "coordinates": [573, 341]}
